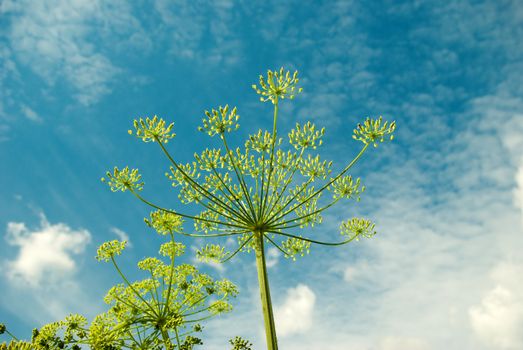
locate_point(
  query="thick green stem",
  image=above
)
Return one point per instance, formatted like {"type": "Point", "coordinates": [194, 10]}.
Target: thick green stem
{"type": "Point", "coordinates": [268, 315]}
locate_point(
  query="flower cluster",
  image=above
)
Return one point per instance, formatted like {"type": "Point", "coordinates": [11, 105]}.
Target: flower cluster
{"type": "Point", "coordinates": [65, 334]}
{"type": "Point", "coordinates": [211, 253]}
{"type": "Point", "coordinates": [295, 246]}
{"type": "Point", "coordinates": [210, 160]}
{"type": "Point", "coordinates": [153, 130]}
{"type": "Point", "coordinates": [277, 85]}
{"type": "Point", "coordinates": [346, 187]}
{"type": "Point", "coordinates": [220, 121]}
{"type": "Point", "coordinates": [357, 227]}
{"type": "Point", "coordinates": [125, 179]}
{"type": "Point", "coordinates": [314, 168]}
{"type": "Point", "coordinates": [373, 131]}
{"type": "Point", "coordinates": [239, 343]}
{"type": "Point", "coordinates": [261, 142]}
{"type": "Point", "coordinates": [17, 345]}
{"type": "Point", "coordinates": [306, 137]}
{"type": "Point", "coordinates": [165, 222]}
{"type": "Point", "coordinates": [109, 249]}
{"type": "Point", "coordinates": [172, 249]}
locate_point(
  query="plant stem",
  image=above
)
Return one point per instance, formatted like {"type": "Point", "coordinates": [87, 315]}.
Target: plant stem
{"type": "Point", "coordinates": [268, 316]}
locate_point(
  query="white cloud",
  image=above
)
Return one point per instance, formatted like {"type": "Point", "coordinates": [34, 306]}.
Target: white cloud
{"type": "Point", "coordinates": [122, 235]}
{"type": "Point", "coordinates": [518, 192]}
{"type": "Point", "coordinates": [498, 319]}
{"type": "Point", "coordinates": [46, 254]}
{"type": "Point", "coordinates": [355, 271]}
{"type": "Point", "coordinates": [31, 114]}
{"type": "Point", "coordinates": [192, 35]}
{"type": "Point", "coordinates": [295, 315]}
{"type": "Point", "coordinates": [70, 40]}
{"type": "Point", "coordinates": [403, 343]}
{"type": "Point", "coordinates": [272, 257]}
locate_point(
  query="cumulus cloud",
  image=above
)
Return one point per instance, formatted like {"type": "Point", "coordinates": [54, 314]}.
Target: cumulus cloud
{"type": "Point", "coordinates": [295, 314]}
{"type": "Point", "coordinates": [45, 254]}
{"type": "Point", "coordinates": [498, 319]}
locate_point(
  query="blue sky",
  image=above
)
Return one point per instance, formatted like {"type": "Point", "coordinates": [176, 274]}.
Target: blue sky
{"type": "Point", "coordinates": [447, 195]}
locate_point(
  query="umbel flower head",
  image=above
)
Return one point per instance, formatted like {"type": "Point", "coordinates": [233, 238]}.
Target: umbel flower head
{"type": "Point", "coordinates": [153, 130]}
{"type": "Point", "coordinates": [109, 249]}
{"type": "Point", "coordinates": [268, 190]}
{"type": "Point", "coordinates": [356, 228]}
{"type": "Point", "coordinates": [165, 222]}
{"type": "Point", "coordinates": [373, 131]}
{"type": "Point", "coordinates": [277, 86]}
{"type": "Point", "coordinates": [125, 179]}
{"type": "Point", "coordinates": [265, 193]}
{"type": "Point", "coordinates": [221, 120]}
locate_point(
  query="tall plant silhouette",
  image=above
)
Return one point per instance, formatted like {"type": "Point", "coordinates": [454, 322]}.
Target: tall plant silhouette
{"type": "Point", "coordinates": [264, 193]}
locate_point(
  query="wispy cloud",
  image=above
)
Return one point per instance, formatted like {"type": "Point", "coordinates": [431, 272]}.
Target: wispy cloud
{"type": "Point", "coordinates": [31, 114]}
{"type": "Point", "coordinates": [201, 31]}
{"type": "Point", "coordinates": [60, 41]}
{"type": "Point", "coordinates": [122, 235]}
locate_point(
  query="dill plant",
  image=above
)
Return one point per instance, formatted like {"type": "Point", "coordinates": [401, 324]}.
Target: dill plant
{"type": "Point", "coordinates": [264, 193]}
{"type": "Point", "coordinates": [165, 310]}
